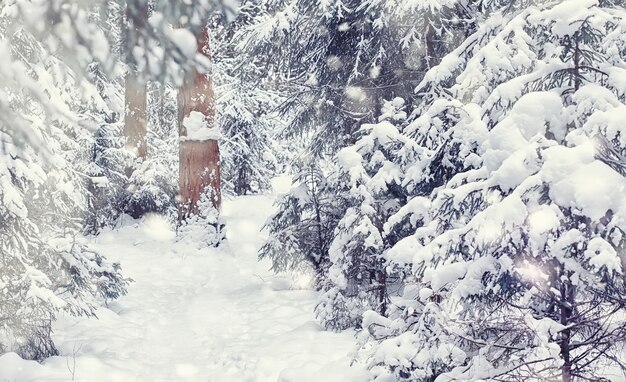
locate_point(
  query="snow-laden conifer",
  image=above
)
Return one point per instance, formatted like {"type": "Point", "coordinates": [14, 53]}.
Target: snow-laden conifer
{"type": "Point", "coordinates": [517, 252]}
{"type": "Point", "coordinates": [46, 266]}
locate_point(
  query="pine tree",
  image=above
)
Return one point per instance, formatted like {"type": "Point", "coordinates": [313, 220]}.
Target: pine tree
{"type": "Point", "coordinates": [336, 62]}
{"type": "Point", "coordinates": [302, 229]}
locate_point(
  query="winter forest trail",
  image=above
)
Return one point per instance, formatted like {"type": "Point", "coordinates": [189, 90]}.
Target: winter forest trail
{"type": "Point", "coordinates": [196, 315]}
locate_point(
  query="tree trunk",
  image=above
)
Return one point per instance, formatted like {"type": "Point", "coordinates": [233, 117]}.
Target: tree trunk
{"type": "Point", "coordinates": [382, 285]}
{"type": "Point", "coordinates": [430, 46]}
{"type": "Point", "coordinates": [135, 117]}
{"type": "Point", "coordinates": [567, 301]}
{"type": "Point", "coordinates": [199, 159]}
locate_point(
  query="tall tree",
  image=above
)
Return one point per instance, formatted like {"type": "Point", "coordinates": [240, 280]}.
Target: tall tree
{"type": "Point", "coordinates": [336, 62]}
{"type": "Point", "coordinates": [368, 179]}
{"type": "Point", "coordinates": [199, 168]}
{"type": "Point", "coordinates": [135, 116]}
{"type": "Point", "coordinates": [340, 62]}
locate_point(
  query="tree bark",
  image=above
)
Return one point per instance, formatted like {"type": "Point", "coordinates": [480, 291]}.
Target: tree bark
{"type": "Point", "coordinates": [199, 159]}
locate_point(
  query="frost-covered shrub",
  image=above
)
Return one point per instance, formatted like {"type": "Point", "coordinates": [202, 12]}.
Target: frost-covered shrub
{"type": "Point", "coordinates": [396, 351]}
{"type": "Point", "coordinates": [91, 275]}
{"type": "Point", "coordinates": [205, 228]}
{"type": "Point", "coordinates": [337, 312]}
{"type": "Point", "coordinates": [153, 184]}
{"type": "Point", "coordinates": [301, 230]}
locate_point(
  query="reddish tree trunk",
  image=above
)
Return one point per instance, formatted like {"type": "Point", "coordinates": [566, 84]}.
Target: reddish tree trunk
{"type": "Point", "coordinates": [199, 159]}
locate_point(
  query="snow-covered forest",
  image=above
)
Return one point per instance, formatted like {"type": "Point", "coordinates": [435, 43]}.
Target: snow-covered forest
{"type": "Point", "coordinates": [313, 190]}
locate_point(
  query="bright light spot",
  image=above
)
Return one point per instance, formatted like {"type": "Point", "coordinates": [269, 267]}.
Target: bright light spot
{"type": "Point", "coordinates": [303, 278]}
{"type": "Point", "coordinates": [531, 272]}
{"type": "Point", "coordinates": [312, 80]}
{"type": "Point", "coordinates": [334, 62]}
{"type": "Point", "coordinates": [158, 227]}
{"type": "Point", "coordinates": [281, 184]}
{"type": "Point", "coordinates": [542, 220]}
{"type": "Point", "coordinates": [343, 27]}
{"type": "Point", "coordinates": [490, 231]}
{"type": "Point", "coordinates": [375, 72]}
{"type": "Point", "coordinates": [355, 93]}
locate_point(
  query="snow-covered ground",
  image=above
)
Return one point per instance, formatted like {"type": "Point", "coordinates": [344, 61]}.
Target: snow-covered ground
{"type": "Point", "coordinates": [195, 315]}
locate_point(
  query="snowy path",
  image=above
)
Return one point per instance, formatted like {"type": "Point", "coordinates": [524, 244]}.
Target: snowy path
{"type": "Point", "coordinates": [195, 315]}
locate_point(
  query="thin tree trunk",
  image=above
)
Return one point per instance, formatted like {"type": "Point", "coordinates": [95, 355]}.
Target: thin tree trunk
{"type": "Point", "coordinates": [577, 71]}
{"type": "Point", "coordinates": [382, 292]}
{"type": "Point", "coordinates": [430, 46]}
{"type": "Point", "coordinates": [566, 309]}
{"type": "Point", "coordinates": [199, 159]}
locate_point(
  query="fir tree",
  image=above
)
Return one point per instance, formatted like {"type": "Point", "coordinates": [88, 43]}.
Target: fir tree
{"type": "Point", "coordinates": [302, 229]}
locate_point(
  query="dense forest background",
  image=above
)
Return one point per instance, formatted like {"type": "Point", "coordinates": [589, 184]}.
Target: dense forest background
{"type": "Point", "coordinates": [458, 166]}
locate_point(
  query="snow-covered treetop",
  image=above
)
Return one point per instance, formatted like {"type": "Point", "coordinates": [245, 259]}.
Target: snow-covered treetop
{"type": "Point", "coordinates": [527, 103]}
